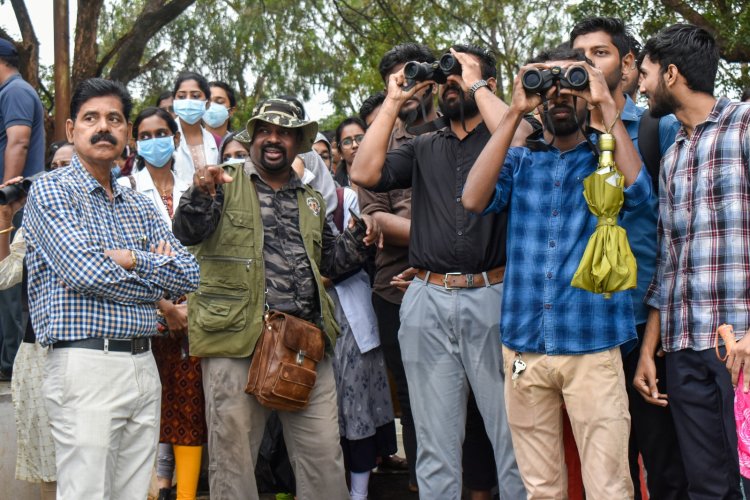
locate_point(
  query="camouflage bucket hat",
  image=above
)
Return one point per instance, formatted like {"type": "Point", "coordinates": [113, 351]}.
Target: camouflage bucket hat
{"type": "Point", "coordinates": [284, 114]}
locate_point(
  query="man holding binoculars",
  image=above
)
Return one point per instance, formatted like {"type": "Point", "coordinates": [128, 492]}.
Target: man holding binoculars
{"type": "Point", "coordinates": [21, 154]}
{"type": "Point", "coordinates": [561, 344]}
{"type": "Point", "coordinates": [449, 321]}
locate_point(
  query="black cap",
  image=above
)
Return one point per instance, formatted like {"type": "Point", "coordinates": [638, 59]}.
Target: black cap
{"type": "Point", "coordinates": [7, 48]}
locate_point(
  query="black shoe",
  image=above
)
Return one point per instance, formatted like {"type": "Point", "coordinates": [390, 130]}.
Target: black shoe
{"type": "Point", "coordinates": [5, 376]}
{"type": "Point", "coordinates": [165, 494]}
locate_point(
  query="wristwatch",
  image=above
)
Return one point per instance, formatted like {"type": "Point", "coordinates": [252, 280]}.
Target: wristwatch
{"type": "Point", "coordinates": [477, 85]}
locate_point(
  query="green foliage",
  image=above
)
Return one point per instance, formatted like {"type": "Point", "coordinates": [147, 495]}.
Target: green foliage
{"type": "Point", "coordinates": [304, 47]}
{"type": "Point", "coordinates": [307, 46]}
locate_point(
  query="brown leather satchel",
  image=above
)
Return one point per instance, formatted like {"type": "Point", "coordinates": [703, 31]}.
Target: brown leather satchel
{"type": "Point", "coordinates": [282, 371]}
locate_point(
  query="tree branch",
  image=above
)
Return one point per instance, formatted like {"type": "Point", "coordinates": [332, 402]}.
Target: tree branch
{"type": "Point", "coordinates": [729, 52]}
{"type": "Point", "coordinates": [131, 46]}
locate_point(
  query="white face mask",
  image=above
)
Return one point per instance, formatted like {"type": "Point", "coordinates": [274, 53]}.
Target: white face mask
{"type": "Point", "coordinates": [235, 161]}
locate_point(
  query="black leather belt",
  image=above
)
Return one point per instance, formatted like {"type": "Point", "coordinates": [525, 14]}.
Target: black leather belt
{"type": "Point", "coordinates": [133, 346]}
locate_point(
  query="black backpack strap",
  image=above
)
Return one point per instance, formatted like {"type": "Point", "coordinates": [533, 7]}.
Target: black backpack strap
{"type": "Point", "coordinates": [649, 147]}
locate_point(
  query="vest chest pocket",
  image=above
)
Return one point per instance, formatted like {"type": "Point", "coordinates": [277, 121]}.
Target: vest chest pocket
{"type": "Point", "coordinates": [237, 229]}
{"type": "Point", "coordinates": [317, 238]}
{"type": "Point", "coordinates": [219, 310]}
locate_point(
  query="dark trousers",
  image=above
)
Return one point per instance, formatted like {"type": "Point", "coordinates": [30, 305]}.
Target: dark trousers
{"type": "Point", "coordinates": [12, 326]}
{"type": "Point", "coordinates": [702, 400]}
{"type": "Point", "coordinates": [389, 324]}
{"type": "Point", "coordinates": [652, 434]}
{"type": "Point", "coordinates": [12, 317]}
{"type": "Point", "coordinates": [478, 461]}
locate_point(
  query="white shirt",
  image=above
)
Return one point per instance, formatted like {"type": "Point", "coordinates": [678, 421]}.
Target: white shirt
{"type": "Point", "coordinates": [145, 184]}
{"type": "Point", "coordinates": [183, 162]}
{"type": "Point", "coordinates": [11, 267]}
{"type": "Point", "coordinates": [355, 294]}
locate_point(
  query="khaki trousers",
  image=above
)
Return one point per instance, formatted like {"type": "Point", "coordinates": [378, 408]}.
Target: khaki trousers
{"type": "Point", "coordinates": [592, 386]}
{"type": "Point", "coordinates": [236, 422]}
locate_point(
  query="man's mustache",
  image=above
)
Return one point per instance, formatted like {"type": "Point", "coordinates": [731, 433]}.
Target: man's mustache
{"type": "Point", "coordinates": [562, 107]}
{"type": "Point", "coordinates": [450, 88]}
{"type": "Point", "coordinates": [105, 136]}
{"type": "Point", "coordinates": [272, 148]}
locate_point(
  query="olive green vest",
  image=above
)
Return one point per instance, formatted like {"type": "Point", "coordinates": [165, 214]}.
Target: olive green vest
{"type": "Point", "coordinates": [226, 312]}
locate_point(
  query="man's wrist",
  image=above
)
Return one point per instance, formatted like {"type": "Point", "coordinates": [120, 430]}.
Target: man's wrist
{"type": "Point", "coordinates": [476, 86]}
{"type": "Point", "coordinates": [515, 114]}
{"type": "Point", "coordinates": [608, 108]}
{"type": "Point", "coordinates": [392, 106]}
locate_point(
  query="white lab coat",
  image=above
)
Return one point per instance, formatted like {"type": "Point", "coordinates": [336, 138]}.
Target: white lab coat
{"type": "Point", "coordinates": [144, 184]}
{"type": "Point", "coordinates": [183, 162]}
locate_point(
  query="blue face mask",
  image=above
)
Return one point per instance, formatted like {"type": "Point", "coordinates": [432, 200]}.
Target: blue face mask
{"type": "Point", "coordinates": [157, 152]}
{"type": "Point", "coordinates": [115, 172]}
{"type": "Point", "coordinates": [189, 110]}
{"type": "Point", "coordinates": [216, 115]}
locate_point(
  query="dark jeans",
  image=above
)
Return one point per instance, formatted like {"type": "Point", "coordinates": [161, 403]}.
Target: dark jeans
{"type": "Point", "coordinates": [478, 462]}
{"type": "Point", "coordinates": [12, 317]}
{"type": "Point", "coordinates": [702, 401]}
{"type": "Point", "coordinates": [12, 326]}
{"type": "Point", "coordinates": [652, 434]}
{"type": "Point", "coordinates": [389, 324]}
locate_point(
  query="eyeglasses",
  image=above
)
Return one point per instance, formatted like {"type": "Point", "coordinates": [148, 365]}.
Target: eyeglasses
{"type": "Point", "coordinates": [348, 141]}
{"type": "Point", "coordinates": [239, 155]}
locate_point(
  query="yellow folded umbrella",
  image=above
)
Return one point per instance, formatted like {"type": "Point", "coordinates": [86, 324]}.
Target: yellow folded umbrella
{"type": "Point", "coordinates": [608, 264]}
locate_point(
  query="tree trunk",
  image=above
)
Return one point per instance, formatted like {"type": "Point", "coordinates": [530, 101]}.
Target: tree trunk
{"type": "Point", "coordinates": [28, 49]}
{"type": "Point", "coordinates": [84, 57]}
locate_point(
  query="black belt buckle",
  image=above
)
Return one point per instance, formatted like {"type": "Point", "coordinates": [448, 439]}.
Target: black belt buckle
{"type": "Point", "coordinates": [139, 345]}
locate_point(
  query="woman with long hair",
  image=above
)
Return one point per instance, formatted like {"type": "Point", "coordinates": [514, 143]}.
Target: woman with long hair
{"type": "Point", "coordinates": [198, 147]}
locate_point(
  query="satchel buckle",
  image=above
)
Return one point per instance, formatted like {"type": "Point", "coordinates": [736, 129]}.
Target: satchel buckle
{"type": "Point", "coordinates": [301, 357]}
{"type": "Point", "coordinates": [445, 281]}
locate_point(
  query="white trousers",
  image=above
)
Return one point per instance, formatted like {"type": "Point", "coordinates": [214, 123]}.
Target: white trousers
{"type": "Point", "coordinates": [104, 413]}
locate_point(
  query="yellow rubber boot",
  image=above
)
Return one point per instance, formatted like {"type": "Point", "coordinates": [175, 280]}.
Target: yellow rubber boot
{"type": "Point", "coordinates": [187, 464]}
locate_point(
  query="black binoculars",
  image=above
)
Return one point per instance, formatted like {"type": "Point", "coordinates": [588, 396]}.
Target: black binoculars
{"type": "Point", "coordinates": [11, 193]}
{"type": "Point", "coordinates": [437, 71]}
{"type": "Point", "coordinates": [540, 81]}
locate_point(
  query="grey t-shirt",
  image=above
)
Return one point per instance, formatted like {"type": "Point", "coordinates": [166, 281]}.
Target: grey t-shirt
{"type": "Point", "coordinates": [20, 105]}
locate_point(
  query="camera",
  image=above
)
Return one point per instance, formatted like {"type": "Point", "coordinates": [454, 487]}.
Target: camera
{"type": "Point", "coordinates": [11, 193]}
{"type": "Point", "coordinates": [540, 81]}
{"type": "Point", "coordinates": [437, 71]}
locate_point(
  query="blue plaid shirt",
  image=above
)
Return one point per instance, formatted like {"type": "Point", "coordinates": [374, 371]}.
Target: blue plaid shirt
{"type": "Point", "coordinates": [640, 223]}
{"type": "Point", "coordinates": [75, 291]}
{"type": "Point", "coordinates": [549, 225]}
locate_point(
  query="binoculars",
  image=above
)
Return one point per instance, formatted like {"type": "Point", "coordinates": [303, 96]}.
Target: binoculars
{"type": "Point", "coordinates": [437, 71]}
{"type": "Point", "coordinates": [540, 81]}
{"type": "Point", "coordinates": [11, 193]}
